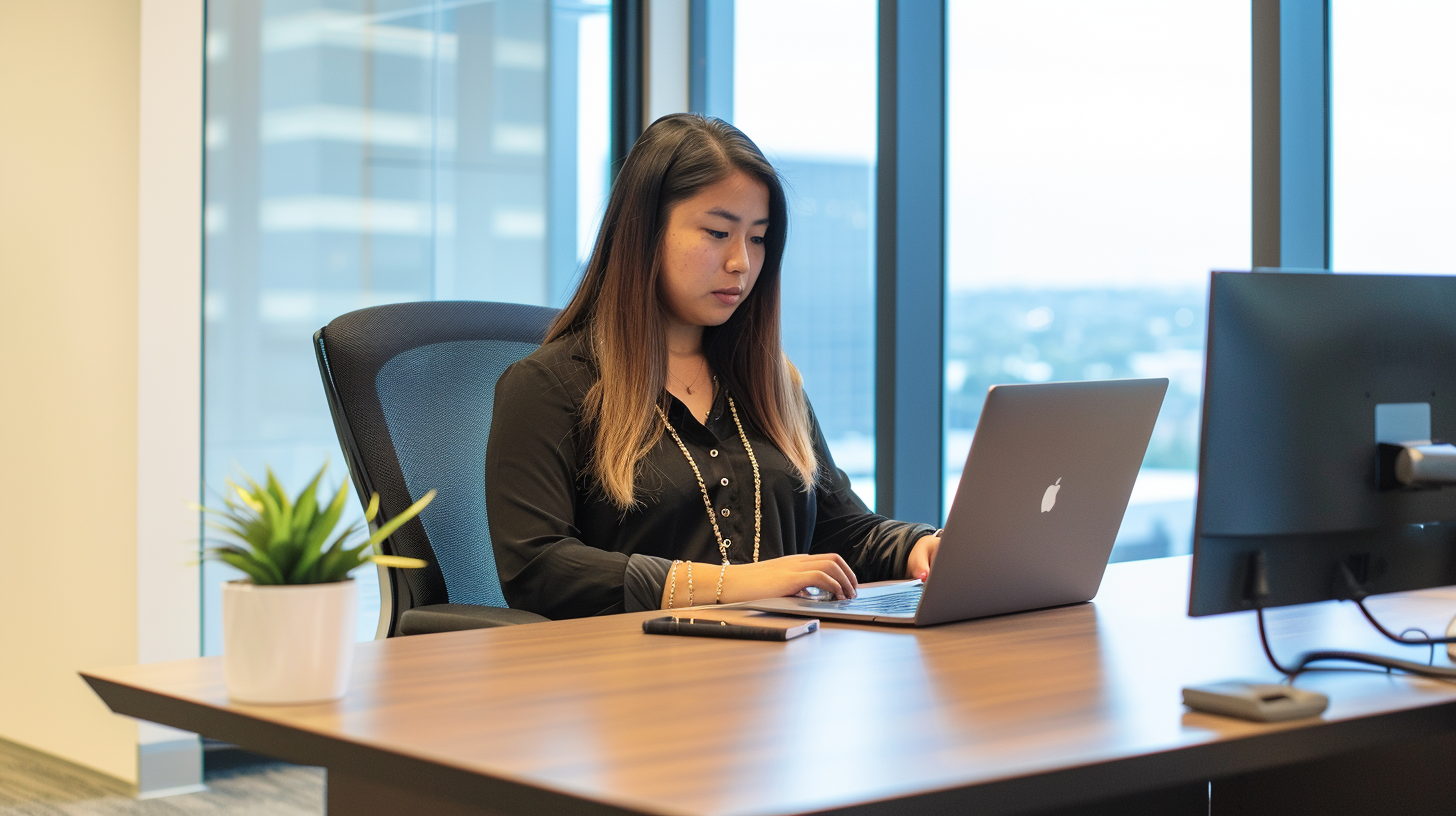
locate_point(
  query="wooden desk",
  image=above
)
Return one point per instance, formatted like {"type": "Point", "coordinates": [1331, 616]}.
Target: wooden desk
{"type": "Point", "coordinates": [1005, 715]}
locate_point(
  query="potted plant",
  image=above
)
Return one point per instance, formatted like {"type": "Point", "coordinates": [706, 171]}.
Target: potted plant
{"type": "Point", "coordinates": [288, 627]}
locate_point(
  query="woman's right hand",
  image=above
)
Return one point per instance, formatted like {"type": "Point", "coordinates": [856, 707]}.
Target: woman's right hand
{"type": "Point", "coordinates": [787, 575]}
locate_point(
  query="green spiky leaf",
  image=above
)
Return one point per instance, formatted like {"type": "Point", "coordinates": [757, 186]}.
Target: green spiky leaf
{"type": "Point", "coordinates": [306, 507]}
{"type": "Point", "coordinates": [281, 540]}
{"type": "Point", "coordinates": [388, 528]}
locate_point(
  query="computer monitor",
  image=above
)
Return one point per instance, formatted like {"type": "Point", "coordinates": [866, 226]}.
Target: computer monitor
{"type": "Point", "coordinates": [1305, 373]}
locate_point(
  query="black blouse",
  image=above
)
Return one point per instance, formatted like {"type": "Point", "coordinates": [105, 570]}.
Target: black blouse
{"type": "Point", "coordinates": [564, 550]}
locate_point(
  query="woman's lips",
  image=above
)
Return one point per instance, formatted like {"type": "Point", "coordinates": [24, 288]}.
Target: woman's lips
{"type": "Point", "coordinates": [728, 297]}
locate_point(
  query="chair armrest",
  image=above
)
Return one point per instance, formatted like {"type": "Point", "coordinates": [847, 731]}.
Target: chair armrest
{"type": "Point", "coordinates": [424, 620]}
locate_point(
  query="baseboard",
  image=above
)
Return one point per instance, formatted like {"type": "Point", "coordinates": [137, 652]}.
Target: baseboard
{"type": "Point", "coordinates": [169, 768]}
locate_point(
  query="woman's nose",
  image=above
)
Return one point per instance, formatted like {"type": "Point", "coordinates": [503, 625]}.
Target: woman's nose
{"type": "Point", "coordinates": [737, 262]}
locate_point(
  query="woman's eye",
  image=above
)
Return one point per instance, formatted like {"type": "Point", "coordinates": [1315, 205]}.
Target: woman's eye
{"type": "Point", "coordinates": [757, 239]}
{"type": "Point", "coordinates": [717, 234]}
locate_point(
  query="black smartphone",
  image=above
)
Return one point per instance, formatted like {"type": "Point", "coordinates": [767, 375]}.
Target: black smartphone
{"type": "Point", "coordinates": [768, 629]}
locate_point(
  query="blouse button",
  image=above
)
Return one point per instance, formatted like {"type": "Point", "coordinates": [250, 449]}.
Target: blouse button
{"type": "Point", "coordinates": [713, 452]}
{"type": "Point", "coordinates": [726, 511]}
{"type": "Point", "coordinates": [723, 481]}
{"type": "Point", "coordinates": [727, 542]}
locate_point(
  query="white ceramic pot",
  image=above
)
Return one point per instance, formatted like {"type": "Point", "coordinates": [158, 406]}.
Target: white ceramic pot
{"type": "Point", "coordinates": [288, 644]}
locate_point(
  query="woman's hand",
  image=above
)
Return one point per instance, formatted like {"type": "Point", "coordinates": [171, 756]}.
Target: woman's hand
{"type": "Point", "coordinates": [778, 577]}
{"type": "Point", "coordinates": [922, 555]}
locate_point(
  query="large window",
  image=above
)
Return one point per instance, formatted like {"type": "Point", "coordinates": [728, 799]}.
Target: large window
{"type": "Point", "coordinates": [371, 151]}
{"type": "Point", "coordinates": [790, 91]}
{"type": "Point", "coordinates": [1393, 123]}
{"type": "Point", "coordinates": [1098, 167]}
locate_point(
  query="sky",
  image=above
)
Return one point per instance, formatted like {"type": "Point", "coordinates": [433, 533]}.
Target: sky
{"type": "Point", "coordinates": [1089, 144]}
{"type": "Point", "coordinates": [1393, 114]}
{"type": "Point", "coordinates": [1107, 144]}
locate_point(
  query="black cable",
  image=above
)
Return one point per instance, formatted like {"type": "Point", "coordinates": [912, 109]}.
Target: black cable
{"type": "Point", "coordinates": [1431, 656]}
{"type": "Point", "coordinates": [1302, 663]}
{"type": "Point", "coordinates": [1358, 594]}
{"type": "Point", "coordinates": [1258, 590]}
{"type": "Point", "coordinates": [1268, 652]}
{"type": "Point", "coordinates": [1425, 641]}
{"type": "Point", "coordinates": [1388, 663]}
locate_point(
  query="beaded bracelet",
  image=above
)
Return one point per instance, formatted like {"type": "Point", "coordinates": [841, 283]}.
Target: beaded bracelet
{"type": "Point", "coordinates": [672, 584]}
{"type": "Point", "coordinates": [690, 583]}
{"type": "Point", "coordinates": [721, 570]}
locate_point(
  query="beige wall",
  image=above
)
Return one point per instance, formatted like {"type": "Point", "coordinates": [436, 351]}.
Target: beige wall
{"type": "Point", "coordinates": [69, 97]}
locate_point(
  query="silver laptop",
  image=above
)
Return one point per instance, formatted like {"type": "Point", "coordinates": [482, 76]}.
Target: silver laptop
{"type": "Point", "coordinates": [1041, 497]}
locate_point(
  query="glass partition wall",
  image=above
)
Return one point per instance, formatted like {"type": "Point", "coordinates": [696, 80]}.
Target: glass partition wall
{"type": "Point", "coordinates": [362, 152]}
{"type": "Point", "coordinates": [1098, 166]}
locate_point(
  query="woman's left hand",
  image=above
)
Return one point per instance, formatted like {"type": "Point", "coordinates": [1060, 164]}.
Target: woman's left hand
{"type": "Point", "coordinates": [922, 555]}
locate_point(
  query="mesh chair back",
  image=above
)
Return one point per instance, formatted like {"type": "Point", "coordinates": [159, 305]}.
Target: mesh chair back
{"type": "Point", "coordinates": [411, 386]}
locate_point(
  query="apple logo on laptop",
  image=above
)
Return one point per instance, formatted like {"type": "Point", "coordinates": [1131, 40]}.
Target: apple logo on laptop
{"type": "Point", "coordinates": [1049, 499]}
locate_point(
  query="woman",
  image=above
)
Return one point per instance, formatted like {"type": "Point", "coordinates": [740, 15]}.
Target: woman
{"type": "Point", "coordinates": [658, 450]}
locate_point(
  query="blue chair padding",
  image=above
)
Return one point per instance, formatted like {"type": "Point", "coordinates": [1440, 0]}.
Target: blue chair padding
{"type": "Point", "coordinates": [410, 388]}
{"type": "Point", "coordinates": [437, 402]}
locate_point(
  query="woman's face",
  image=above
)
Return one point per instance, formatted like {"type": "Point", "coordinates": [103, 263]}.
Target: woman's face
{"type": "Point", "coordinates": [713, 250]}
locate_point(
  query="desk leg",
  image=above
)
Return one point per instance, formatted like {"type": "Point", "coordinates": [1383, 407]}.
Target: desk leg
{"type": "Point", "coordinates": [347, 795]}
{"type": "Point", "coordinates": [1411, 778]}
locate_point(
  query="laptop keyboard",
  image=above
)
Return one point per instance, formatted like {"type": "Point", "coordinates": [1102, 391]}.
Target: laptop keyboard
{"type": "Point", "coordinates": [899, 603]}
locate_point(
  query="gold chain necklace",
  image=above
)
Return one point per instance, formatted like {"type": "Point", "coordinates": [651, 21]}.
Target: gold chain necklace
{"type": "Point", "coordinates": [723, 543]}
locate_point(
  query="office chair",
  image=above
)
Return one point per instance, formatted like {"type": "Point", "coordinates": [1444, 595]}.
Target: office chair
{"type": "Point", "coordinates": [410, 387]}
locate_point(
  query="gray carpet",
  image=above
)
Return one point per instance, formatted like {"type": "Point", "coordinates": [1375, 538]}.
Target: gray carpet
{"type": "Point", "coordinates": [34, 784]}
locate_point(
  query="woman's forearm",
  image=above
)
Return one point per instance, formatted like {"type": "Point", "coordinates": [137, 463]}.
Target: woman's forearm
{"type": "Point", "coordinates": [693, 584]}
{"type": "Point", "coordinates": [699, 584]}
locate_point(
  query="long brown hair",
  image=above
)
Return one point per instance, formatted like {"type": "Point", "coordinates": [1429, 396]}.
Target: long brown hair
{"type": "Point", "coordinates": [618, 307]}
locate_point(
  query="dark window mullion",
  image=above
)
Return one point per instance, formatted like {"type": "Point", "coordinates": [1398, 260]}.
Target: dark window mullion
{"type": "Point", "coordinates": [1291, 133]}
{"type": "Point", "coordinates": [628, 78]}
{"type": "Point", "coordinates": [910, 260]}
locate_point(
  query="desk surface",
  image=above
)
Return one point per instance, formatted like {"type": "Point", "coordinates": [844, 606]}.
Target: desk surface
{"type": "Point", "coordinates": [1033, 710]}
